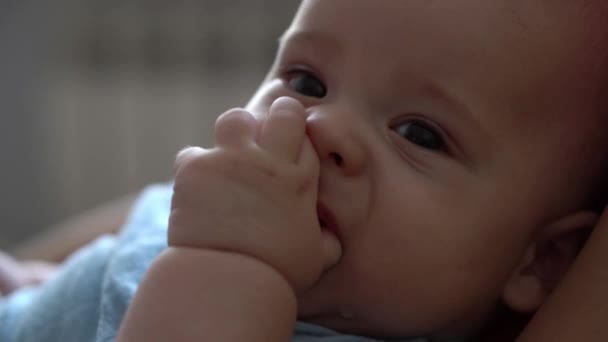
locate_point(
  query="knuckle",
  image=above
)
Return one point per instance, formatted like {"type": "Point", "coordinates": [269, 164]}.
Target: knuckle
{"type": "Point", "coordinates": [231, 119]}
{"type": "Point", "coordinates": [185, 154]}
{"type": "Point", "coordinates": [191, 165]}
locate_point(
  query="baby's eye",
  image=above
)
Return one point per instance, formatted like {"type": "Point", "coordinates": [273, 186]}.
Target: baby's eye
{"type": "Point", "coordinates": [306, 83]}
{"type": "Point", "coordinates": [421, 134]}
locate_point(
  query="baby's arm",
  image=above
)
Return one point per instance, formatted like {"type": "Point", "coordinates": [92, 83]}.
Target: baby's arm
{"type": "Point", "coordinates": [61, 240]}
{"type": "Point", "coordinates": [244, 236]}
{"type": "Point", "coordinates": [578, 309]}
{"type": "Point", "coordinates": [207, 295]}
{"type": "Point", "coordinates": [36, 260]}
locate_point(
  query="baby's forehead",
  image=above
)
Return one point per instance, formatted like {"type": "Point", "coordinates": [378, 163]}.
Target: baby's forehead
{"type": "Point", "coordinates": [525, 44]}
{"type": "Point", "coordinates": [515, 62]}
{"type": "Point", "coordinates": [520, 34]}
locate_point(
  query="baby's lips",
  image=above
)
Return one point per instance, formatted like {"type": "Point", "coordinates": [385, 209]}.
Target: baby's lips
{"type": "Point", "coordinates": [327, 221]}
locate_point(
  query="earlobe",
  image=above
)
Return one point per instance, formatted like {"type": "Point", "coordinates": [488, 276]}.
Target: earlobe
{"type": "Point", "coordinates": [546, 260]}
{"type": "Point", "coordinates": [524, 292]}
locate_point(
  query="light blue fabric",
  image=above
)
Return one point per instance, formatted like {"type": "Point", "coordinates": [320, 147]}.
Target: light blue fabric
{"type": "Point", "coordinates": [305, 332]}
{"type": "Point", "coordinates": [88, 298]}
{"type": "Point", "coordinates": [86, 301]}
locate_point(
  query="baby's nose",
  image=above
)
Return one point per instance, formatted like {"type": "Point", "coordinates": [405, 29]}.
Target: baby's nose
{"type": "Point", "coordinates": [335, 141]}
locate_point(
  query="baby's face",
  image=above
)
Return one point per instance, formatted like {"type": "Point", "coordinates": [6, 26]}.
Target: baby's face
{"type": "Point", "coordinates": [446, 131]}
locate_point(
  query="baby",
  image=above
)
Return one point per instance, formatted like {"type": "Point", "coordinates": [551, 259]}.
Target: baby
{"type": "Point", "coordinates": [408, 168]}
{"type": "Point", "coordinates": [435, 160]}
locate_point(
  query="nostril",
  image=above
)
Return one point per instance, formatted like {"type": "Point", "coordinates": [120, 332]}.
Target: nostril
{"type": "Point", "coordinates": [337, 158]}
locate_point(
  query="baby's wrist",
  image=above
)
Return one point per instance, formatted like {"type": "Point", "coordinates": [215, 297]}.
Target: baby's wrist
{"type": "Point", "coordinates": [212, 295]}
{"type": "Point", "coordinates": [249, 266]}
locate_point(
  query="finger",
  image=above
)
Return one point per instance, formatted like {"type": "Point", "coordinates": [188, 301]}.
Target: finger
{"type": "Point", "coordinates": [258, 109]}
{"type": "Point", "coordinates": [284, 129]}
{"type": "Point", "coordinates": [332, 249]}
{"type": "Point", "coordinates": [235, 128]}
{"type": "Point", "coordinates": [309, 160]}
{"type": "Point", "coordinates": [186, 155]}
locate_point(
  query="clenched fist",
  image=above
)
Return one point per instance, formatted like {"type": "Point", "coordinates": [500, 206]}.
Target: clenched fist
{"type": "Point", "coordinates": [255, 193]}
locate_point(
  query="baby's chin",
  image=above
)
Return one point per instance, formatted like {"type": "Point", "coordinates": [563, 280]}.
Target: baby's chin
{"type": "Point", "coordinates": [366, 322]}
{"type": "Point", "coordinates": [347, 323]}
{"type": "Point", "coordinates": [344, 321]}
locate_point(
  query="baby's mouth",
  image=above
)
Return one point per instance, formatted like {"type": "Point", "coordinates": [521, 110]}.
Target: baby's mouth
{"type": "Point", "coordinates": [327, 221]}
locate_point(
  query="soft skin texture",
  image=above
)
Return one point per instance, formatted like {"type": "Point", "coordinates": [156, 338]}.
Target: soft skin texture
{"type": "Point", "coordinates": [255, 193]}
{"type": "Point", "coordinates": [244, 235]}
{"type": "Point", "coordinates": [177, 302]}
{"type": "Point", "coordinates": [448, 134]}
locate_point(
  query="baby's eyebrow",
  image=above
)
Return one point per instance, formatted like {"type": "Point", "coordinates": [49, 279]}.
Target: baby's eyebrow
{"type": "Point", "coordinates": [320, 40]}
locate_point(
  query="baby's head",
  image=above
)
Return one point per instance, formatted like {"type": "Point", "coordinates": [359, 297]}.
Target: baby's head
{"type": "Point", "coordinates": [461, 151]}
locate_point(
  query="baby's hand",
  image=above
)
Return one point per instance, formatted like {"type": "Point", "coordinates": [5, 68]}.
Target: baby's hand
{"type": "Point", "coordinates": [16, 274]}
{"type": "Point", "coordinates": [255, 193]}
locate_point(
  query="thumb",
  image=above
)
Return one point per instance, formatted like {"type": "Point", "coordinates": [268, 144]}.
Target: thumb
{"type": "Point", "coordinates": [332, 249]}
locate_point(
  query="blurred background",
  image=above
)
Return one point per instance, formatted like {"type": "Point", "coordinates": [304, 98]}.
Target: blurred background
{"type": "Point", "coordinates": [97, 96]}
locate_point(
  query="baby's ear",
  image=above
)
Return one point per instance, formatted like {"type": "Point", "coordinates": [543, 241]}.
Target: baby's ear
{"type": "Point", "coordinates": [546, 260]}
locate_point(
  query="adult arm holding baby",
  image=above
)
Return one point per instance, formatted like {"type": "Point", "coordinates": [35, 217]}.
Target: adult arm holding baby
{"type": "Point", "coordinates": [243, 234]}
